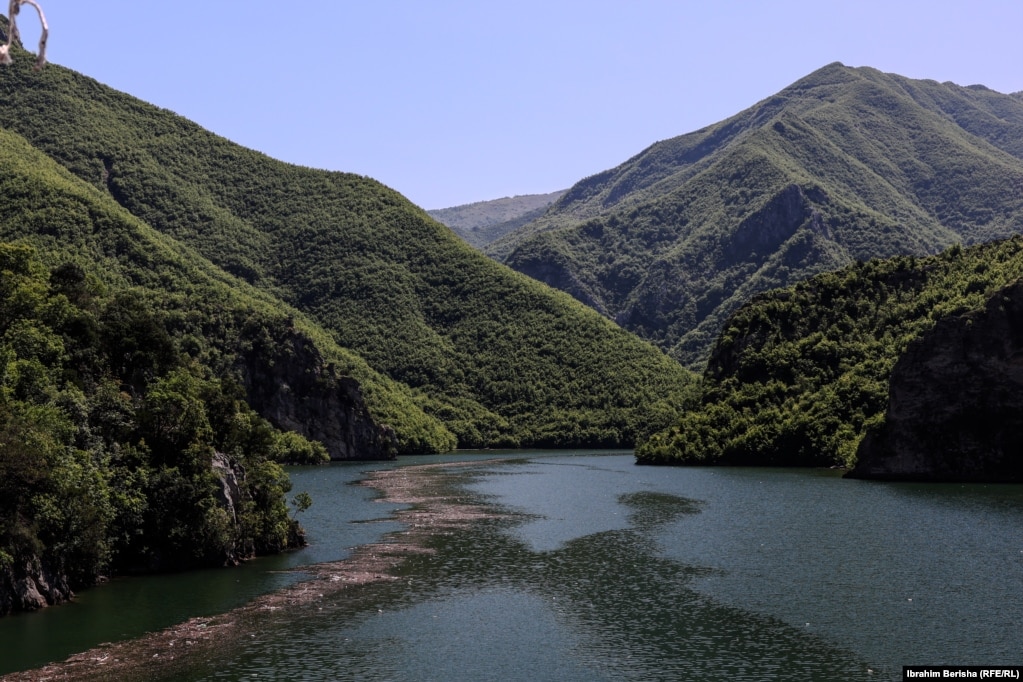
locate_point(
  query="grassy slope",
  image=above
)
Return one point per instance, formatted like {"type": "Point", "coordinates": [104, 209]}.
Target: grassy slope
{"type": "Point", "coordinates": [672, 241]}
{"type": "Point", "coordinates": [498, 358]}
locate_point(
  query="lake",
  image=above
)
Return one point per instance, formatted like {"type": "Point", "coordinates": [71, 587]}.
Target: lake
{"type": "Point", "coordinates": [594, 568]}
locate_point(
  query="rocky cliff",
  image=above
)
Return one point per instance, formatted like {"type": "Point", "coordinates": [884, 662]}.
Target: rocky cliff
{"type": "Point", "coordinates": [955, 409]}
{"type": "Point", "coordinates": [288, 383]}
{"type": "Point", "coordinates": [29, 585]}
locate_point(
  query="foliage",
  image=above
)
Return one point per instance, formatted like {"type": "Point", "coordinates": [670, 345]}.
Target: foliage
{"type": "Point", "coordinates": [799, 374]}
{"type": "Point", "coordinates": [463, 351]}
{"type": "Point", "coordinates": [844, 165]}
{"type": "Point", "coordinates": [108, 437]}
{"type": "Point", "coordinates": [127, 442]}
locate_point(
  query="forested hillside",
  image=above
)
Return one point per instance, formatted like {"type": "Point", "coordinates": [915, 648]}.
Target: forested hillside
{"type": "Point", "coordinates": [180, 315]}
{"type": "Point", "coordinates": [846, 164]}
{"type": "Point", "coordinates": [494, 357]}
{"type": "Point", "coordinates": [128, 371]}
{"type": "Point", "coordinates": [799, 375]}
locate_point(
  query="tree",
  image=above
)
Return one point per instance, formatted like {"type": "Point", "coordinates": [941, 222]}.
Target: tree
{"type": "Point", "coordinates": [301, 502]}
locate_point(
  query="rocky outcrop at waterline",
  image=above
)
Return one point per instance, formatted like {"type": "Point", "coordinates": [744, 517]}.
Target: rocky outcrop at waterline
{"type": "Point", "coordinates": [288, 383]}
{"type": "Point", "coordinates": [32, 581]}
{"type": "Point", "coordinates": [955, 409]}
{"type": "Point", "coordinates": [28, 585]}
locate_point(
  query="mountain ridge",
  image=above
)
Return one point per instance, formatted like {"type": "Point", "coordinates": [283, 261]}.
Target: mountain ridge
{"type": "Point", "coordinates": [879, 158]}
{"type": "Point", "coordinates": [483, 222]}
{"type": "Point", "coordinates": [383, 278]}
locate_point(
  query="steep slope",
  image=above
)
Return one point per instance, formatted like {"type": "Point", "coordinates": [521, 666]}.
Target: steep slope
{"type": "Point", "coordinates": [845, 164]}
{"type": "Point", "coordinates": [800, 375]}
{"type": "Point", "coordinates": [146, 397]}
{"type": "Point", "coordinates": [499, 359]}
{"type": "Point", "coordinates": [483, 222]}
{"type": "Point", "coordinates": [68, 220]}
{"type": "Point", "coordinates": [955, 401]}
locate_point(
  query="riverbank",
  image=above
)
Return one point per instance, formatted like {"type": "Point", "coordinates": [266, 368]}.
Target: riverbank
{"type": "Point", "coordinates": [432, 508]}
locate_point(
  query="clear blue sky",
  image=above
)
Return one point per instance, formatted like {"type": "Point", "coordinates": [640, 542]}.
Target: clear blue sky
{"type": "Point", "coordinates": [452, 101]}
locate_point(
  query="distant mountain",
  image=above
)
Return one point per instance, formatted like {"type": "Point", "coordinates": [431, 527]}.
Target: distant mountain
{"type": "Point", "coordinates": [484, 356]}
{"type": "Point", "coordinates": [846, 164]}
{"type": "Point", "coordinates": [483, 222]}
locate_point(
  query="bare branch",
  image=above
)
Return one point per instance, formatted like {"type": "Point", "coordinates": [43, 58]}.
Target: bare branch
{"type": "Point", "coordinates": [12, 32]}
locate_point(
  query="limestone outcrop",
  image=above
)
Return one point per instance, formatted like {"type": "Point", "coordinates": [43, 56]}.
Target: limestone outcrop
{"type": "Point", "coordinates": [955, 409]}
{"type": "Point", "coordinates": [27, 585]}
{"type": "Point", "coordinates": [288, 383]}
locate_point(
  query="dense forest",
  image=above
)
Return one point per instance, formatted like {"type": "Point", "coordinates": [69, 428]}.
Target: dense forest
{"type": "Point", "coordinates": [801, 374]}
{"type": "Point", "coordinates": [128, 369]}
{"type": "Point", "coordinates": [113, 434]}
{"type": "Point", "coordinates": [490, 357]}
{"type": "Point", "coordinates": [180, 316]}
{"type": "Point", "coordinates": [846, 164]}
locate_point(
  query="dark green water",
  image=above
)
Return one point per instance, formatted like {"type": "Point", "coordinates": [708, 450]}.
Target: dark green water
{"type": "Point", "coordinates": [610, 571]}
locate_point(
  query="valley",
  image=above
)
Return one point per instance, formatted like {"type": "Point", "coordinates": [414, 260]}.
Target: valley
{"type": "Point", "coordinates": [827, 281]}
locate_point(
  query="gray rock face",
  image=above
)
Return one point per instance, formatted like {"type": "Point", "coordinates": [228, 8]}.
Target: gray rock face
{"type": "Point", "coordinates": [28, 586]}
{"type": "Point", "coordinates": [766, 230]}
{"type": "Point", "coordinates": [955, 409]}
{"type": "Point", "coordinates": [294, 389]}
{"type": "Point", "coordinates": [230, 476]}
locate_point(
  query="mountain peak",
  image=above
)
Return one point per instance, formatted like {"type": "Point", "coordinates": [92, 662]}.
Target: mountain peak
{"type": "Point", "coordinates": [900, 166]}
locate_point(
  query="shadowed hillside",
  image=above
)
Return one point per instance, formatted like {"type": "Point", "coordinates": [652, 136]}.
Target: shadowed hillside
{"type": "Point", "coordinates": [801, 374]}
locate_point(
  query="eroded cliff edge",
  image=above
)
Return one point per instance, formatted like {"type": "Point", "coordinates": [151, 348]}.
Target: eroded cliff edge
{"type": "Point", "coordinates": [955, 410]}
{"type": "Point", "coordinates": [288, 382]}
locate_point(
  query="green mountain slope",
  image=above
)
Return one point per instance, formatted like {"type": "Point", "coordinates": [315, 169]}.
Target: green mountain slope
{"type": "Point", "coordinates": [483, 222]}
{"type": "Point", "coordinates": [845, 164]}
{"type": "Point", "coordinates": [800, 374]}
{"type": "Point", "coordinates": [499, 359]}
{"type": "Point", "coordinates": [68, 220]}
{"type": "Point", "coordinates": [131, 372]}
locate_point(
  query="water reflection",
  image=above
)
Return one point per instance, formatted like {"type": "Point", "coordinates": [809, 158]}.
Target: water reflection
{"type": "Point", "coordinates": [488, 605]}
{"type": "Point", "coordinates": [598, 569]}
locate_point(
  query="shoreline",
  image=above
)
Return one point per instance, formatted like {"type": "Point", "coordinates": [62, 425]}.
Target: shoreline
{"type": "Point", "coordinates": [432, 509]}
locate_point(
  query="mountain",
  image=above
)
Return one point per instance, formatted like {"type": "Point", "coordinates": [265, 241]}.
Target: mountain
{"type": "Point", "coordinates": [908, 364]}
{"type": "Point", "coordinates": [489, 355]}
{"type": "Point", "coordinates": [179, 315]}
{"type": "Point", "coordinates": [483, 222]}
{"type": "Point", "coordinates": [846, 164]}
{"type": "Point", "coordinates": [146, 397]}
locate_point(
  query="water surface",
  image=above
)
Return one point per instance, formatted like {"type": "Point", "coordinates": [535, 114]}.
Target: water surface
{"type": "Point", "coordinates": [600, 569]}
